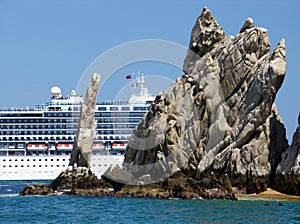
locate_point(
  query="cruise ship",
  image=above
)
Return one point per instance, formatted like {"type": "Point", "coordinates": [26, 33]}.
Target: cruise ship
{"type": "Point", "coordinates": [36, 143]}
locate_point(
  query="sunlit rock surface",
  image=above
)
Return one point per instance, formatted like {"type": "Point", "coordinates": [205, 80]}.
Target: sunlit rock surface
{"type": "Point", "coordinates": [218, 121]}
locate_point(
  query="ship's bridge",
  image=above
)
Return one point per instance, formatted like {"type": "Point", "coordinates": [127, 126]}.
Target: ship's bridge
{"type": "Point", "coordinates": [144, 97]}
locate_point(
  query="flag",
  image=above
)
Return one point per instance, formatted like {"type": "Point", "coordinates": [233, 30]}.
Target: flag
{"type": "Point", "coordinates": [128, 77]}
{"type": "Point", "coordinates": [134, 85]}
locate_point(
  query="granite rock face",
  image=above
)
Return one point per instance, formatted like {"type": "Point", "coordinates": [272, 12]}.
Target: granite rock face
{"type": "Point", "coordinates": [217, 120]}
{"type": "Point", "coordinates": [287, 177]}
{"type": "Point", "coordinates": [81, 153]}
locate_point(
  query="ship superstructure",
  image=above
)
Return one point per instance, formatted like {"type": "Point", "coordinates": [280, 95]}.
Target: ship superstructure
{"type": "Point", "coordinates": [35, 143]}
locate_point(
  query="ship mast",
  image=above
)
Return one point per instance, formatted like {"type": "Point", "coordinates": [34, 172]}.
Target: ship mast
{"type": "Point", "coordinates": [140, 79]}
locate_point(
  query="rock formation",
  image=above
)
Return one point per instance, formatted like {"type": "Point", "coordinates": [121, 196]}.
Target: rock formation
{"type": "Point", "coordinates": [81, 153]}
{"type": "Point", "coordinates": [78, 174]}
{"type": "Point", "coordinates": [217, 123]}
{"type": "Point", "coordinates": [287, 177]}
{"type": "Point", "coordinates": [215, 132]}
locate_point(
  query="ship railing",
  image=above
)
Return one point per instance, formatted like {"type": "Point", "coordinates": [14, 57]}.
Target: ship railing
{"type": "Point", "coordinates": [12, 109]}
{"type": "Point", "coordinates": [119, 102]}
{"type": "Point", "coordinates": [61, 103]}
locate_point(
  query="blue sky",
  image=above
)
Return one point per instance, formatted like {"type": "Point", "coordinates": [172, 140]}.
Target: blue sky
{"type": "Point", "coordinates": [46, 43]}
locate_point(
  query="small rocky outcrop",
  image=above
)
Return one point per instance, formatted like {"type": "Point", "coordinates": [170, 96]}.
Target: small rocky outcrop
{"type": "Point", "coordinates": [218, 121]}
{"type": "Point", "coordinates": [287, 179]}
{"type": "Point", "coordinates": [78, 174]}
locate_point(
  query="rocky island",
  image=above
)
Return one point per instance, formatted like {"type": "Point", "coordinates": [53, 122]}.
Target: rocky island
{"type": "Point", "coordinates": [214, 133]}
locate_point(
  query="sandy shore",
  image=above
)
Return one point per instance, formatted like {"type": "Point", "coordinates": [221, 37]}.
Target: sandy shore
{"type": "Point", "coordinates": [269, 195]}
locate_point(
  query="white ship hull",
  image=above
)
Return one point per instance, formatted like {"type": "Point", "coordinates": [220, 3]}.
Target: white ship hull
{"type": "Point", "coordinates": [49, 167]}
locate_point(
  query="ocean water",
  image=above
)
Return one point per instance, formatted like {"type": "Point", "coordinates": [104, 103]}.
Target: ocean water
{"type": "Point", "coordinates": [71, 209]}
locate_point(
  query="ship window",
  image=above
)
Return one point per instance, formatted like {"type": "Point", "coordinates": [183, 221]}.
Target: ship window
{"type": "Point", "coordinates": [16, 165]}
{"type": "Point", "coordinates": [57, 165]}
{"type": "Point", "coordinates": [40, 159]}
{"type": "Point", "coordinates": [40, 165]}
{"type": "Point", "coordinates": [4, 160]}
{"type": "Point", "coordinates": [102, 108]}
{"type": "Point", "coordinates": [51, 165]}
{"type": "Point", "coordinates": [51, 159]}
{"type": "Point", "coordinates": [9, 166]}
{"type": "Point", "coordinates": [4, 166]}
{"type": "Point", "coordinates": [22, 165]}
{"type": "Point", "coordinates": [125, 108]}
{"type": "Point", "coordinates": [28, 159]}
{"type": "Point", "coordinates": [10, 160]}
{"type": "Point", "coordinates": [33, 165]}
{"type": "Point", "coordinates": [64, 159]}
{"type": "Point", "coordinates": [33, 160]}
{"type": "Point", "coordinates": [46, 159]}
{"type": "Point", "coordinates": [46, 166]}
{"type": "Point", "coordinates": [28, 166]}
{"type": "Point", "coordinates": [57, 159]}
{"type": "Point", "coordinates": [113, 108]}
{"type": "Point", "coordinates": [16, 159]}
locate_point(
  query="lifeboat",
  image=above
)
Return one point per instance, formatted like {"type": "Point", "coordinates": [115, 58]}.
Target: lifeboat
{"type": "Point", "coordinates": [98, 146]}
{"type": "Point", "coordinates": [118, 146]}
{"type": "Point", "coordinates": [37, 146]}
{"type": "Point", "coordinates": [64, 146]}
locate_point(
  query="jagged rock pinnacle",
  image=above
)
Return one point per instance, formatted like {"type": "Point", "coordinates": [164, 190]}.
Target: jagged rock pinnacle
{"type": "Point", "coordinates": [247, 25]}
{"type": "Point", "coordinates": [219, 117]}
{"type": "Point", "coordinates": [82, 150]}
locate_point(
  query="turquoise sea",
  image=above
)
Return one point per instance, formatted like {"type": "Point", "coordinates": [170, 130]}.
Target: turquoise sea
{"type": "Point", "coordinates": [71, 209]}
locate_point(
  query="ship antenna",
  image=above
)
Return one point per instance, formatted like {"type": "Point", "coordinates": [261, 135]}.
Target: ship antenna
{"type": "Point", "coordinates": [141, 81]}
